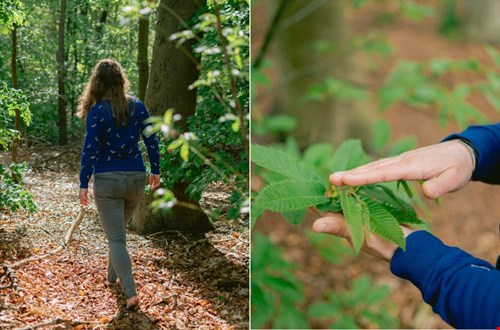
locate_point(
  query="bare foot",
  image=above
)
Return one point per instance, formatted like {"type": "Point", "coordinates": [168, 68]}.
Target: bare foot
{"type": "Point", "coordinates": [133, 303]}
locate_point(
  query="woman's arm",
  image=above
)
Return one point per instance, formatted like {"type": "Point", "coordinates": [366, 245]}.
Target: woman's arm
{"type": "Point", "coordinates": [462, 289]}
{"type": "Point", "coordinates": [90, 148]}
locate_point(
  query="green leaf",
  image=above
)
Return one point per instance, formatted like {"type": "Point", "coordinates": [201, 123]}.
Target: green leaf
{"type": "Point", "coordinates": [352, 213]}
{"type": "Point", "coordinates": [321, 310]}
{"type": "Point", "coordinates": [184, 152]}
{"type": "Point", "coordinates": [280, 123]}
{"type": "Point", "coordinates": [295, 217]}
{"type": "Point", "coordinates": [348, 155]}
{"type": "Point", "coordinates": [406, 188]}
{"type": "Point", "coordinates": [291, 195]}
{"type": "Point", "coordinates": [290, 317]}
{"type": "Point", "coordinates": [404, 144]}
{"type": "Point", "coordinates": [384, 224]}
{"type": "Point", "coordinates": [381, 135]}
{"type": "Point", "coordinates": [280, 162]}
{"type": "Point", "coordinates": [331, 248]}
{"type": "Point", "coordinates": [330, 206]}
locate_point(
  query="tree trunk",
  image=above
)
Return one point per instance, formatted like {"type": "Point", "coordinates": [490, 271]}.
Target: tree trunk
{"type": "Point", "coordinates": [482, 21]}
{"type": "Point", "coordinates": [17, 123]}
{"type": "Point", "coordinates": [171, 74]}
{"type": "Point", "coordinates": [61, 72]}
{"type": "Point", "coordinates": [304, 24]}
{"type": "Point", "coordinates": [142, 55]}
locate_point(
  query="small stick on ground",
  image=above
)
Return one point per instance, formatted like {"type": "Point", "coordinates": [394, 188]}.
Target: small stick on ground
{"type": "Point", "coordinates": [67, 239]}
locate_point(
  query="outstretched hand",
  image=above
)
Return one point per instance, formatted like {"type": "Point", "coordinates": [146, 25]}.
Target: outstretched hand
{"type": "Point", "coordinates": [154, 181]}
{"type": "Point", "coordinates": [445, 167]}
{"type": "Point", "coordinates": [335, 224]}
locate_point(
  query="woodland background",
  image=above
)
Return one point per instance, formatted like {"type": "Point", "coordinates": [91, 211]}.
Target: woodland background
{"type": "Point", "coordinates": [188, 61]}
{"type": "Point", "coordinates": [396, 75]}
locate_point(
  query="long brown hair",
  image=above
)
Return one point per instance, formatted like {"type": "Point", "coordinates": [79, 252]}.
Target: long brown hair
{"type": "Point", "coordinates": [108, 81]}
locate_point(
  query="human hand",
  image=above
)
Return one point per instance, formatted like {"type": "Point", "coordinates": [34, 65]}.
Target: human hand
{"type": "Point", "coordinates": [445, 167]}
{"type": "Point", "coordinates": [154, 181]}
{"type": "Point", "coordinates": [84, 196]}
{"type": "Point", "coordinates": [334, 223]}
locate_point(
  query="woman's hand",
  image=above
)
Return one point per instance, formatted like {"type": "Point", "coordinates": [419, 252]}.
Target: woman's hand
{"type": "Point", "coordinates": [334, 223]}
{"type": "Point", "coordinates": [154, 181]}
{"type": "Point", "coordinates": [84, 196]}
{"type": "Point", "coordinates": [446, 167]}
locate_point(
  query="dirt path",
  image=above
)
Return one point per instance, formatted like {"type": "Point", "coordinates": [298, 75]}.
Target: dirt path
{"type": "Point", "coordinates": [185, 281]}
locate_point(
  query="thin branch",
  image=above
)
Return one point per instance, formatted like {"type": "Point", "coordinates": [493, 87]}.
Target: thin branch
{"type": "Point", "coordinates": [234, 89]}
{"type": "Point", "coordinates": [270, 34]}
{"type": "Point", "coordinates": [67, 239]}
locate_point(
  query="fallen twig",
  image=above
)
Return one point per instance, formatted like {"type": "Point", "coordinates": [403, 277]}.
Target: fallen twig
{"type": "Point", "coordinates": [67, 239]}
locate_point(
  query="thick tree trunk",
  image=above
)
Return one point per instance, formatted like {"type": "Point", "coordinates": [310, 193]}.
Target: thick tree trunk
{"type": "Point", "coordinates": [171, 74]}
{"type": "Point", "coordinates": [61, 72]}
{"type": "Point", "coordinates": [17, 123]}
{"type": "Point", "coordinates": [142, 55]}
{"type": "Point", "coordinates": [482, 21]}
{"type": "Point", "coordinates": [303, 25]}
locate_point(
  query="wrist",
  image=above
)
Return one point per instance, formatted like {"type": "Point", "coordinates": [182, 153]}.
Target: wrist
{"type": "Point", "coordinates": [471, 152]}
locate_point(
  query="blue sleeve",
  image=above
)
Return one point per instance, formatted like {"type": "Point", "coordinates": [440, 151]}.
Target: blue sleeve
{"type": "Point", "coordinates": [463, 290]}
{"type": "Point", "coordinates": [90, 148]}
{"type": "Point", "coordinates": [150, 141]}
{"type": "Point", "coordinates": [486, 141]}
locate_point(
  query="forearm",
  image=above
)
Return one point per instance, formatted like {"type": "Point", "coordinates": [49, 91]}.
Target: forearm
{"type": "Point", "coordinates": [462, 289]}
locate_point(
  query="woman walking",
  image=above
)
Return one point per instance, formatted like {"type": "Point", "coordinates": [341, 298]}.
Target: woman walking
{"type": "Point", "coordinates": [114, 123]}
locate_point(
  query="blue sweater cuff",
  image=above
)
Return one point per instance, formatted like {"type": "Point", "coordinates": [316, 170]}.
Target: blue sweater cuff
{"type": "Point", "coordinates": [486, 141]}
{"type": "Point", "coordinates": [416, 264]}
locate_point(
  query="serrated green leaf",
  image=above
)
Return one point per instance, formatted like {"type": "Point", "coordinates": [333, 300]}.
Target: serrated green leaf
{"type": "Point", "coordinates": [291, 195]}
{"type": "Point", "coordinates": [352, 214]}
{"type": "Point", "coordinates": [383, 223]}
{"type": "Point", "coordinates": [348, 155]}
{"type": "Point", "coordinates": [280, 162]}
{"type": "Point", "coordinates": [406, 188]}
{"type": "Point", "coordinates": [330, 206]}
{"type": "Point", "coordinates": [365, 217]}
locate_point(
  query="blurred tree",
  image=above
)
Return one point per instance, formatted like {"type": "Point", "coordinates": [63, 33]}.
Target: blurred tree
{"type": "Point", "coordinates": [142, 55]}
{"type": "Point", "coordinates": [313, 40]}
{"type": "Point", "coordinates": [172, 72]}
{"type": "Point", "coordinates": [61, 74]}
{"type": "Point", "coordinates": [481, 20]}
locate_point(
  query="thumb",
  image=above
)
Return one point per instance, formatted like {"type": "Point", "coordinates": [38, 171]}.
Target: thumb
{"type": "Point", "coordinates": [440, 185]}
{"type": "Point", "coordinates": [333, 224]}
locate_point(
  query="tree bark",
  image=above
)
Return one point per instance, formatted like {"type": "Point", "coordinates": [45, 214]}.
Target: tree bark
{"type": "Point", "coordinates": [61, 72]}
{"type": "Point", "coordinates": [304, 24]}
{"type": "Point", "coordinates": [17, 122]}
{"type": "Point", "coordinates": [142, 55]}
{"type": "Point", "coordinates": [172, 71]}
{"type": "Point", "coordinates": [481, 20]}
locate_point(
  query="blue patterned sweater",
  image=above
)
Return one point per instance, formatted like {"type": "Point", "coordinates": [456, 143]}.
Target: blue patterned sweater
{"type": "Point", "coordinates": [109, 148]}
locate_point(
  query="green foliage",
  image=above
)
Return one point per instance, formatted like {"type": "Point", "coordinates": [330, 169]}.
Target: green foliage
{"type": "Point", "coordinates": [11, 15]}
{"type": "Point", "coordinates": [11, 100]}
{"type": "Point", "coordinates": [364, 305]}
{"type": "Point", "coordinates": [13, 192]}
{"type": "Point", "coordinates": [421, 85]}
{"type": "Point", "coordinates": [94, 30]}
{"type": "Point", "coordinates": [214, 148]}
{"type": "Point", "coordinates": [276, 293]}
{"type": "Point", "coordinates": [330, 248]}
{"type": "Point", "coordinates": [297, 186]}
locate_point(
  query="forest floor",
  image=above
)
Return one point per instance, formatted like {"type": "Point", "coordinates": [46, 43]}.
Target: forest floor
{"type": "Point", "coordinates": [468, 218]}
{"type": "Point", "coordinates": [185, 281]}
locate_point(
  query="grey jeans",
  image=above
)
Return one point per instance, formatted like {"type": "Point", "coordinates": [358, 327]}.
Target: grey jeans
{"type": "Point", "coordinates": [116, 196]}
